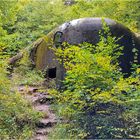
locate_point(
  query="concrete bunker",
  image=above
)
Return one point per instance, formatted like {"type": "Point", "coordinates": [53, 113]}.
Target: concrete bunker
{"type": "Point", "coordinates": [43, 58]}
{"type": "Point", "coordinates": [76, 32]}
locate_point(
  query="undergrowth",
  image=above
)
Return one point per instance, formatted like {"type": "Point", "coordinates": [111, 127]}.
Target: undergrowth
{"type": "Point", "coordinates": [24, 74]}
{"type": "Point", "coordinates": [17, 117]}
{"type": "Point", "coordinates": [96, 100]}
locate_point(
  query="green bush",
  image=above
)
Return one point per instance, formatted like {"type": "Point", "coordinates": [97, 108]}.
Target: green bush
{"type": "Point", "coordinates": [23, 72]}
{"type": "Point", "coordinates": [96, 97]}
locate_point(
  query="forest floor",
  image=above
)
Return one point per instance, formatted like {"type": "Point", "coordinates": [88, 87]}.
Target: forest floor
{"type": "Point", "coordinates": [41, 101]}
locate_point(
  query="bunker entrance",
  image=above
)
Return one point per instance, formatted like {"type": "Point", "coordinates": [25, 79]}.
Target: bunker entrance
{"type": "Point", "coordinates": [52, 72]}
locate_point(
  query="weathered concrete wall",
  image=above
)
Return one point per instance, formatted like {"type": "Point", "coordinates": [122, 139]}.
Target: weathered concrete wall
{"type": "Point", "coordinates": [44, 58]}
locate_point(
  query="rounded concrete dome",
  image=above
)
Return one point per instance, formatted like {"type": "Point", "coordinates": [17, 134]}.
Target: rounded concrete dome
{"type": "Point", "coordinates": [87, 30]}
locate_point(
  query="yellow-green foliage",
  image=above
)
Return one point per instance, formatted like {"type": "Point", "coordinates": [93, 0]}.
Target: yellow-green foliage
{"type": "Point", "coordinates": [96, 97]}
{"type": "Point", "coordinates": [17, 118]}
{"type": "Point", "coordinates": [24, 74]}
{"type": "Point", "coordinates": [95, 90]}
{"type": "Point", "coordinates": [28, 20]}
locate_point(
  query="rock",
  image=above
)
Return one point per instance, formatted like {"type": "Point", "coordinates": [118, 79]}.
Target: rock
{"type": "Point", "coordinates": [27, 90]}
{"type": "Point", "coordinates": [46, 123]}
{"type": "Point", "coordinates": [42, 108]}
{"type": "Point", "coordinates": [44, 99]}
{"type": "Point", "coordinates": [69, 2]}
{"type": "Point", "coordinates": [42, 132]}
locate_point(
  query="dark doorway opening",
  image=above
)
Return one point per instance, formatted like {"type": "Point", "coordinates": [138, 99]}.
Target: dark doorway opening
{"type": "Point", "coordinates": [52, 72]}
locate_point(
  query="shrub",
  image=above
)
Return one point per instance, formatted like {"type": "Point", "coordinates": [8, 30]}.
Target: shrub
{"type": "Point", "coordinates": [23, 72]}
{"type": "Point", "coordinates": [96, 97]}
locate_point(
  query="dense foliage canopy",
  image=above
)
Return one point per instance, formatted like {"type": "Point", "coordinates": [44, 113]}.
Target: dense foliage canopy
{"type": "Point", "coordinates": [23, 21]}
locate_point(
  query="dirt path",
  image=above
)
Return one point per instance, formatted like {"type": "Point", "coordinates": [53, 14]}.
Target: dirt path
{"type": "Point", "coordinates": [41, 102]}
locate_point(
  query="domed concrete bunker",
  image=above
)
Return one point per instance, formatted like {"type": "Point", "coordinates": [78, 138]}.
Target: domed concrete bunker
{"type": "Point", "coordinates": [76, 32]}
